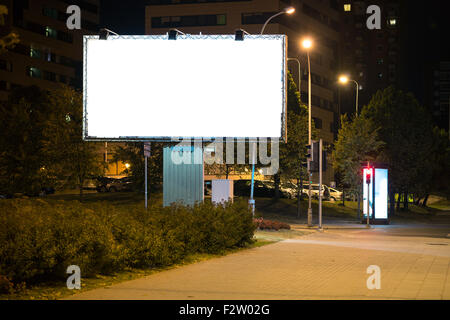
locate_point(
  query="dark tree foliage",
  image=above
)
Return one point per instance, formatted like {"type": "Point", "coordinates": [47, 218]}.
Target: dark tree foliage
{"type": "Point", "coordinates": [405, 128]}
{"type": "Point", "coordinates": [22, 121]}
{"type": "Point", "coordinates": [133, 153]}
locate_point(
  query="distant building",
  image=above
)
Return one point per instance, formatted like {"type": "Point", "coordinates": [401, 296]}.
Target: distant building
{"type": "Point", "coordinates": [48, 52]}
{"type": "Point", "coordinates": [370, 57]}
{"type": "Point", "coordinates": [318, 20]}
{"type": "Point", "coordinates": [440, 100]}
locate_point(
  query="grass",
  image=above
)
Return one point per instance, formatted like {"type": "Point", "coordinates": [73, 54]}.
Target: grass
{"type": "Point", "coordinates": [285, 210]}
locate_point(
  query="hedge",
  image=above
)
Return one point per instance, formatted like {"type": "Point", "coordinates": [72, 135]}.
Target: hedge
{"type": "Point", "coordinates": [40, 239]}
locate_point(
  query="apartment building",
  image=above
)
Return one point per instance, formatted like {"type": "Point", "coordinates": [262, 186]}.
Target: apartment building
{"type": "Point", "coordinates": [48, 53]}
{"type": "Point", "coordinates": [373, 58]}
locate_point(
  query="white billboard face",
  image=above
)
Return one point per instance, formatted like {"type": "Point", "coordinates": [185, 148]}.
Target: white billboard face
{"type": "Point", "coordinates": [198, 86]}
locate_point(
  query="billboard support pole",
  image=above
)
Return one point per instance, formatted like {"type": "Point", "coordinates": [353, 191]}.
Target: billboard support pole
{"type": "Point", "coordinates": [146, 155]}
{"type": "Point", "coordinates": [146, 201]}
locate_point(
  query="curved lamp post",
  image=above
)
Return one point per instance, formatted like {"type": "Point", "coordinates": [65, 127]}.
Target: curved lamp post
{"type": "Point", "coordinates": [344, 80]}
{"type": "Point", "coordinates": [288, 10]}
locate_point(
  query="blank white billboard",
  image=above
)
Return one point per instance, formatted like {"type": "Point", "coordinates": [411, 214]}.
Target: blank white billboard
{"type": "Point", "coordinates": [197, 86]}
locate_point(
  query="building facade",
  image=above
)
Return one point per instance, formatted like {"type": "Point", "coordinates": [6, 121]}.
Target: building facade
{"type": "Point", "coordinates": [372, 57]}
{"type": "Point", "coordinates": [48, 52]}
{"type": "Point", "coordinates": [318, 20]}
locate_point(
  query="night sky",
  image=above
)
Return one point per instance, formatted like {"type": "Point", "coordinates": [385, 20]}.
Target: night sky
{"type": "Point", "coordinates": [123, 17]}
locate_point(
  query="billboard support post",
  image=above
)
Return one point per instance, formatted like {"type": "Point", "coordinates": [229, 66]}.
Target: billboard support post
{"type": "Point", "coordinates": [146, 155]}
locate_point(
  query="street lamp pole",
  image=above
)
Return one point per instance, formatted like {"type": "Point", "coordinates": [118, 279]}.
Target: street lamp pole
{"type": "Point", "coordinates": [357, 92]}
{"type": "Point", "coordinates": [309, 135]}
{"type": "Point", "coordinates": [251, 202]}
{"type": "Point", "coordinates": [288, 10]}
{"type": "Point", "coordinates": [344, 79]}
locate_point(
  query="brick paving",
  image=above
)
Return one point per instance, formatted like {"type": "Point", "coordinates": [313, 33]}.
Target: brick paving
{"type": "Point", "coordinates": [320, 265]}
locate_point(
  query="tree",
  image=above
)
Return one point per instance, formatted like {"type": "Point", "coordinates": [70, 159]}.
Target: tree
{"type": "Point", "coordinates": [68, 159]}
{"type": "Point", "coordinates": [405, 128]}
{"type": "Point", "coordinates": [22, 119]}
{"type": "Point", "coordinates": [293, 153]}
{"type": "Point", "coordinates": [357, 142]}
{"type": "Point", "coordinates": [133, 153]}
{"type": "Point", "coordinates": [439, 161]}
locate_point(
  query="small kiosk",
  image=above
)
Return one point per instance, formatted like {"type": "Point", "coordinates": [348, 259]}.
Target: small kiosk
{"type": "Point", "coordinates": [375, 193]}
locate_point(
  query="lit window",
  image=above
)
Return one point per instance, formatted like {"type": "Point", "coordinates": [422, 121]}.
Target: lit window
{"type": "Point", "coordinates": [34, 72]}
{"type": "Point", "coordinates": [35, 53]}
{"type": "Point", "coordinates": [50, 32]}
{"type": "Point", "coordinates": [221, 19]}
{"type": "Point", "coordinates": [347, 7]}
{"type": "Point", "coordinates": [392, 22]}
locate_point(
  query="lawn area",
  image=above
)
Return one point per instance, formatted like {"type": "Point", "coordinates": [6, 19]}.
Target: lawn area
{"type": "Point", "coordinates": [285, 210]}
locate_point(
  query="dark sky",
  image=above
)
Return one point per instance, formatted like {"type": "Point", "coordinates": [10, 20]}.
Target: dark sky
{"type": "Point", "coordinates": [123, 16]}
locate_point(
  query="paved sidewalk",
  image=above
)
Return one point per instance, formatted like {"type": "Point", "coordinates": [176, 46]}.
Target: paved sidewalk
{"type": "Point", "coordinates": [320, 265]}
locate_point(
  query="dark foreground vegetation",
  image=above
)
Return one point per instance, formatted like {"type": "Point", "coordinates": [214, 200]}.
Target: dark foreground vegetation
{"type": "Point", "coordinates": [39, 238]}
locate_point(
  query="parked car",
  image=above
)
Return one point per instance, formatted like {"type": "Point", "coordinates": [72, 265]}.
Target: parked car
{"type": "Point", "coordinates": [115, 185]}
{"type": "Point", "coordinates": [335, 195]}
{"type": "Point", "coordinates": [124, 184]}
{"type": "Point", "coordinates": [263, 189]}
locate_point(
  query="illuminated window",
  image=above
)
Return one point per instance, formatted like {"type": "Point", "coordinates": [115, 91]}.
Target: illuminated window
{"type": "Point", "coordinates": [34, 72]}
{"type": "Point", "coordinates": [221, 19]}
{"type": "Point", "coordinates": [35, 53]}
{"type": "Point", "coordinates": [347, 7]}
{"type": "Point", "coordinates": [392, 22]}
{"type": "Point", "coordinates": [50, 32]}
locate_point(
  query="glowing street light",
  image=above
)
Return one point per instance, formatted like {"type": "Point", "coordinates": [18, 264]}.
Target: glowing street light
{"type": "Point", "coordinates": [288, 10]}
{"type": "Point", "coordinates": [307, 43]}
{"type": "Point", "coordinates": [344, 80]}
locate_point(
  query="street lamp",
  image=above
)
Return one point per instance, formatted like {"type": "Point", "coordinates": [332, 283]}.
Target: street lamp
{"type": "Point", "coordinates": [344, 80]}
{"type": "Point", "coordinates": [288, 10]}
{"type": "Point", "coordinates": [307, 44]}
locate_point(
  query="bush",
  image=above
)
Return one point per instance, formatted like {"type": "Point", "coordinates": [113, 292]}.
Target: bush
{"type": "Point", "coordinates": [270, 225]}
{"type": "Point", "coordinates": [40, 239]}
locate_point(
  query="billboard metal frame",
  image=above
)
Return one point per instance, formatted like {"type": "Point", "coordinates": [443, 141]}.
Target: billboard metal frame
{"type": "Point", "coordinates": [283, 134]}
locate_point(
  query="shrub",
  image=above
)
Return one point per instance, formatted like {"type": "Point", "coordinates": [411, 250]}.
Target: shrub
{"type": "Point", "coordinates": [270, 225]}
{"type": "Point", "coordinates": [40, 239]}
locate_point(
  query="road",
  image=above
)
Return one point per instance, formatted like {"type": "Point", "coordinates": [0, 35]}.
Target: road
{"type": "Point", "coordinates": [414, 262]}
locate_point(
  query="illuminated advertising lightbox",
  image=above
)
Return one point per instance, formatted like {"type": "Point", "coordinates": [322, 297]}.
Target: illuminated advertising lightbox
{"type": "Point", "coordinates": [378, 190]}
{"type": "Point", "coordinates": [197, 86]}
